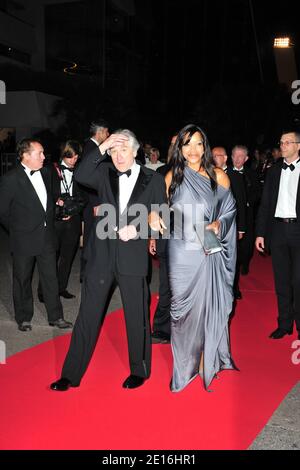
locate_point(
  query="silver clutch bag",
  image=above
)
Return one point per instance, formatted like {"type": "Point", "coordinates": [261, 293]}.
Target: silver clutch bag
{"type": "Point", "coordinates": [208, 239]}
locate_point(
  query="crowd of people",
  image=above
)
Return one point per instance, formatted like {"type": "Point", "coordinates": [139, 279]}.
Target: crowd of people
{"type": "Point", "coordinates": [131, 204]}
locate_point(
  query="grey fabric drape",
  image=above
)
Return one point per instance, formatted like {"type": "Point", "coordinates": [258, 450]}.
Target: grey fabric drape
{"type": "Point", "coordinates": [201, 284]}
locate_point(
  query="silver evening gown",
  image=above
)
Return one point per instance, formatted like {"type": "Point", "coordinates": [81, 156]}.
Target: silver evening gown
{"type": "Point", "coordinates": [201, 284]}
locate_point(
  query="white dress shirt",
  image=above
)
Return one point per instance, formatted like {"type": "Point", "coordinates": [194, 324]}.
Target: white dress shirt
{"type": "Point", "coordinates": [126, 185]}
{"type": "Point", "coordinates": [154, 166]}
{"type": "Point", "coordinates": [287, 194]}
{"type": "Point", "coordinates": [68, 175]}
{"type": "Point", "coordinates": [38, 184]}
{"type": "Point", "coordinates": [238, 169]}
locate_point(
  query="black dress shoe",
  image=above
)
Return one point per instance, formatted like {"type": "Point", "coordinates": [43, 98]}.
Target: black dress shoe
{"type": "Point", "coordinates": [61, 323]}
{"type": "Point", "coordinates": [244, 270]}
{"type": "Point", "coordinates": [133, 381]}
{"type": "Point", "coordinates": [66, 295]}
{"type": "Point", "coordinates": [24, 326]}
{"type": "Point", "coordinates": [280, 333]}
{"type": "Point", "coordinates": [62, 385]}
{"type": "Point", "coordinates": [160, 337]}
{"type": "Point", "coordinates": [237, 295]}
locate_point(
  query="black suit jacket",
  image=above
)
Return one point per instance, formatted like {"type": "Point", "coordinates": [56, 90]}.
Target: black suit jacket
{"type": "Point", "coordinates": [163, 170]}
{"type": "Point", "coordinates": [266, 212]}
{"type": "Point", "coordinates": [93, 199]}
{"type": "Point", "coordinates": [88, 147]}
{"type": "Point", "coordinates": [22, 213]}
{"type": "Point", "coordinates": [253, 188]}
{"type": "Point", "coordinates": [239, 192]}
{"type": "Point", "coordinates": [128, 258]}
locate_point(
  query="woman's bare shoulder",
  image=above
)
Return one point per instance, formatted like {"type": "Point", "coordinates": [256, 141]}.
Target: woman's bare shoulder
{"type": "Point", "coordinates": [222, 178]}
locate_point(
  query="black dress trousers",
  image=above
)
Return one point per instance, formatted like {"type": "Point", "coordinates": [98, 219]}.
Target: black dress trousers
{"type": "Point", "coordinates": [95, 294]}
{"type": "Point", "coordinates": [23, 266]}
{"type": "Point", "coordinates": [285, 251]}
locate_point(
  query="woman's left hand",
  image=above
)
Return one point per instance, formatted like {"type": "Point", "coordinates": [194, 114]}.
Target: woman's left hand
{"type": "Point", "coordinates": [214, 226]}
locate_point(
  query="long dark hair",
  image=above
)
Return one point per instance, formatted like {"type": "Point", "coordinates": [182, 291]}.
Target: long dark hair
{"type": "Point", "coordinates": [177, 160]}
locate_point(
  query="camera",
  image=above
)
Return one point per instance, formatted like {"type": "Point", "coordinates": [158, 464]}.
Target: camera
{"type": "Point", "coordinates": [73, 205]}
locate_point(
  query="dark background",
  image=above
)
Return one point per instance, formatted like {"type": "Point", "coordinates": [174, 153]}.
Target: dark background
{"type": "Point", "coordinates": [170, 63]}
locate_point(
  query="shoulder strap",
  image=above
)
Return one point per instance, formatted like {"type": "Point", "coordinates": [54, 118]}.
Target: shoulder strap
{"type": "Point", "coordinates": [58, 171]}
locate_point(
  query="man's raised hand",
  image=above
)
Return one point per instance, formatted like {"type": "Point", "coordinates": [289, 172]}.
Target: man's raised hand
{"type": "Point", "coordinates": [112, 141]}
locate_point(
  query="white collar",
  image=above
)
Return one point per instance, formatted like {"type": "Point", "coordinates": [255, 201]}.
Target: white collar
{"type": "Point", "coordinates": [95, 141]}
{"type": "Point", "coordinates": [238, 169]}
{"type": "Point", "coordinates": [63, 163]}
{"type": "Point", "coordinates": [295, 162]}
{"type": "Point", "coordinates": [134, 167]}
{"type": "Point", "coordinates": [28, 170]}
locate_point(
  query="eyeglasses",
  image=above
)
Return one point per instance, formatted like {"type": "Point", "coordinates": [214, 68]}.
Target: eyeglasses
{"type": "Point", "coordinates": [287, 142]}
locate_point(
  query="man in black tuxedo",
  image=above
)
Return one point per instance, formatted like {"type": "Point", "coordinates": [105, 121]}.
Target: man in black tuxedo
{"type": "Point", "coordinates": [162, 320]}
{"type": "Point", "coordinates": [98, 133]}
{"type": "Point", "coordinates": [278, 231]}
{"type": "Point", "coordinates": [27, 212]}
{"type": "Point", "coordinates": [239, 191]}
{"type": "Point", "coordinates": [237, 186]}
{"type": "Point", "coordinates": [116, 254]}
{"type": "Point", "coordinates": [161, 328]}
{"type": "Point", "coordinates": [252, 193]}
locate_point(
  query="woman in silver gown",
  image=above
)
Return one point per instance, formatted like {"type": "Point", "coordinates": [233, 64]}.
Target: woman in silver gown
{"type": "Point", "coordinates": [201, 284]}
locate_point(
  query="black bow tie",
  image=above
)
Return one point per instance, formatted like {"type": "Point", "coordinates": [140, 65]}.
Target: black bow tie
{"type": "Point", "coordinates": [291, 166]}
{"type": "Point", "coordinates": [63, 168]}
{"type": "Point", "coordinates": [120, 173]}
{"type": "Point", "coordinates": [33, 171]}
{"type": "Point", "coordinates": [241, 172]}
{"type": "Point", "coordinates": [285, 166]}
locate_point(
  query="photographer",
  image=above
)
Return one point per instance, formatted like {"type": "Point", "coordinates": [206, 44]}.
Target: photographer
{"type": "Point", "coordinates": [70, 201]}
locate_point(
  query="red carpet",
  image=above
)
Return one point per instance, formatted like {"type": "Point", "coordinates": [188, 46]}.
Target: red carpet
{"type": "Point", "coordinates": [102, 415]}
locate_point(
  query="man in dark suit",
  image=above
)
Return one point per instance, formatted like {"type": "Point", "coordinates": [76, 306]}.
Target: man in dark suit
{"type": "Point", "coordinates": [99, 131]}
{"type": "Point", "coordinates": [237, 186]}
{"type": "Point", "coordinates": [161, 328]}
{"type": "Point", "coordinates": [253, 192]}
{"type": "Point", "coordinates": [27, 212]}
{"type": "Point", "coordinates": [116, 253]}
{"type": "Point", "coordinates": [161, 321]}
{"type": "Point", "coordinates": [278, 231]}
{"type": "Point", "coordinates": [239, 191]}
